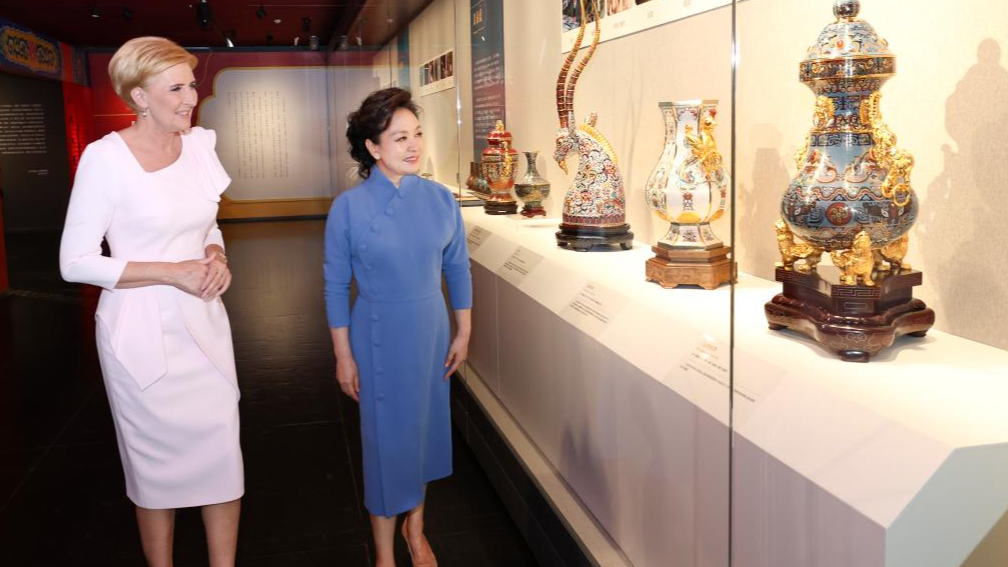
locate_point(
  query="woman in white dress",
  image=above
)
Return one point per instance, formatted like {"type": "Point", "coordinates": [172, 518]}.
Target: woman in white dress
{"type": "Point", "coordinates": [164, 341]}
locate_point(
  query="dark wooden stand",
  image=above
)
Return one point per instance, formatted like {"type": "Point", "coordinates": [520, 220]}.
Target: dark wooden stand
{"type": "Point", "coordinates": [584, 238]}
{"type": "Point", "coordinates": [500, 207]}
{"type": "Point", "coordinates": [533, 212]}
{"type": "Point", "coordinates": [856, 321]}
{"type": "Point", "coordinates": [706, 268]}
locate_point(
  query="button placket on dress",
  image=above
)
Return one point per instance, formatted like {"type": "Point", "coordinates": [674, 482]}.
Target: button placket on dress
{"type": "Point", "coordinates": [375, 325]}
{"type": "Point", "coordinates": [380, 376]}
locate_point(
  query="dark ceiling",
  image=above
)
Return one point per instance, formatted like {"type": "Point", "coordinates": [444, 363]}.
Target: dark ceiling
{"type": "Point", "coordinates": [248, 23]}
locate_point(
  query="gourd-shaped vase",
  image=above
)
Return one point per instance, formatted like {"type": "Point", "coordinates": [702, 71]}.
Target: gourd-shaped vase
{"type": "Point", "coordinates": [476, 182]}
{"type": "Point", "coordinates": [500, 167]}
{"type": "Point", "coordinates": [473, 176]}
{"type": "Point", "coordinates": [853, 183]}
{"type": "Point", "coordinates": [689, 185]}
{"type": "Point", "coordinates": [532, 189]}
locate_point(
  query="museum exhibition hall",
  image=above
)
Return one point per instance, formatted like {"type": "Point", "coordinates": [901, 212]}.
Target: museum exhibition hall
{"type": "Point", "coordinates": [610, 283]}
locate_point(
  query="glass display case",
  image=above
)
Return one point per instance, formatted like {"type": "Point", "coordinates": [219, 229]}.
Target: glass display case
{"type": "Point", "coordinates": [736, 325]}
{"type": "Point", "coordinates": [602, 326]}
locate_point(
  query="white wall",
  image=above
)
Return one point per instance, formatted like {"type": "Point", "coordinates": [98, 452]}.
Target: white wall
{"type": "Point", "coordinates": [349, 85]}
{"type": "Point", "coordinates": [431, 34]}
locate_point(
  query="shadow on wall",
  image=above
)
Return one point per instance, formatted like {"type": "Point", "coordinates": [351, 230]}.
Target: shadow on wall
{"type": "Point", "coordinates": [760, 202]}
{"type": "Point", "coordinates": [961, 231]}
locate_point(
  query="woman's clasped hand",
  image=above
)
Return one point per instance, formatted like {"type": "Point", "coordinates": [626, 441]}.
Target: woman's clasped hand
{"type": "Point", "coordinates": [207, 279]}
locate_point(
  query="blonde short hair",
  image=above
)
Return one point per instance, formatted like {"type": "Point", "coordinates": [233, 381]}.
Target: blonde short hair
{"type": "Point", "coordinates": [141, 58]}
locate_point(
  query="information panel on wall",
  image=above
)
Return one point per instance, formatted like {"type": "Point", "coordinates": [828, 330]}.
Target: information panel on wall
{"type": "Point", "coordinates": [624, 17]}
{"type": "Point", "coordinates": [488, 103]}
{"type": "Point", "coordinates": [269, 134]}
{"type": "Point", "coordinates": [33, 154]}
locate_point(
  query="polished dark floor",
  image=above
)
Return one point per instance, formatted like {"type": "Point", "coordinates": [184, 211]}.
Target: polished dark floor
{"type": "Point", "coordinates": [62, 500]}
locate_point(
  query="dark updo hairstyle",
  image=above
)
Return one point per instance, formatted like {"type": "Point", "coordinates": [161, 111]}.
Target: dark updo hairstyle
{"type": "Point", "coordinates": [373, 118]}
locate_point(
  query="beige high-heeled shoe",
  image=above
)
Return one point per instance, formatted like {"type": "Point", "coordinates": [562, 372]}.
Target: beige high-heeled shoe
{"type": "Point", "coordinates": [431, 561]}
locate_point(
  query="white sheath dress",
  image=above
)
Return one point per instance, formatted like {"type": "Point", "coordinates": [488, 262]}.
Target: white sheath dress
{"type": "Point", "coordinates": [166, 356]}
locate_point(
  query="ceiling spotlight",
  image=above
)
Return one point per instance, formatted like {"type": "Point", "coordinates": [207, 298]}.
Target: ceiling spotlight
{"type": "Point", "coordinates": [261, 12]}
{"type": "Point", "coordinates": [306, 24]}
{"type": "Point", "coordinates": [277, 21]}
{"type": "Point", "coordinates": [95, 13]}
{"type": "Point", "coordinates": [228, 41]}
{"type": "Point", "coordinates": [127, 14]}
{"type": "Point", "coordinates": [203, 14]}
{"type": "Point", "coordinates": [229, 38]}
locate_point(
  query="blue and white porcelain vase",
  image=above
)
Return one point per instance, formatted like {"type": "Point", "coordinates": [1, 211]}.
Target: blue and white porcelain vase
{"type": "Point", "coordinates": [853, 182]}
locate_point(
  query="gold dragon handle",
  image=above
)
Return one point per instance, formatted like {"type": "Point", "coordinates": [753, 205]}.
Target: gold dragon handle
{"type": "Point", "coordinates": [704, 146]}
{"type": "Point", "coordinates": [898, 163]}
{"type": "Point", "coordinates": [825, 109]}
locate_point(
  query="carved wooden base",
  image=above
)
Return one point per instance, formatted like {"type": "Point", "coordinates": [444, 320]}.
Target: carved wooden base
{"type": "Point", "coordinates": [705, 268]}
{"type": "Point", "coordinates": [855, 321]}
{"type": "Point", "coordinates": [532, 212]}
{"type": "Point", "coordinates": [584, 238]}
{"type": "Point", "coordinates": [500, 207]}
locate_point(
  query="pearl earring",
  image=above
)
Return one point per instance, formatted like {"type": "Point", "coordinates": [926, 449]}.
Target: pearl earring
{"type": "Point", "coordinates": [144, 112]}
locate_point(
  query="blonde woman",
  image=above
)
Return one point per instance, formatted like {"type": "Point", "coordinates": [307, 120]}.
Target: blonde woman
{"type": "Point", "coordinates": [164, 341]}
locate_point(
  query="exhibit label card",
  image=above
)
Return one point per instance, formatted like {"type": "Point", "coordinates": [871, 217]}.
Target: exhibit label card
{"type": "Point", "coordinates": [476, 237]}
{"type": "Point", "coordinates": [519, 266]}
{"type": "Point", "coordinates": [702, 376]}
{"type": "Point", "coordinates": [708, 360]}
{"type": "Point", "coordinates": [593, 308]}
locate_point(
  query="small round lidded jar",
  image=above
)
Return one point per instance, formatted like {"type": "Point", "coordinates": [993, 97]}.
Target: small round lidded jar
{"type": "Point", "coordinates": [852, 178]}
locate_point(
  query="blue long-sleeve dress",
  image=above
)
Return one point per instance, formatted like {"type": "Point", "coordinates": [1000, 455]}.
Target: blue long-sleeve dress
{"type": "Point", "coordinates": [396, 243]}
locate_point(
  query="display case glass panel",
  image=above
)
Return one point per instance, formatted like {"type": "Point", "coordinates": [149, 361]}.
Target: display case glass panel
{"type": "Point", "coordinates": [868, 317]}
{"type": "Point", "coordinates": [600, 259]}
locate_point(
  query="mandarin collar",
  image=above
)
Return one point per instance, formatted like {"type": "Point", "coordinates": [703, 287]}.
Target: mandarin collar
{"type": "Point", "coordinates": [379, 178]}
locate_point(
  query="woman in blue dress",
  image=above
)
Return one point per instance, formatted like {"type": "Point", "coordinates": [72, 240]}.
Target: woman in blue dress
{"type": "Point", "coordinates": [395, 234]}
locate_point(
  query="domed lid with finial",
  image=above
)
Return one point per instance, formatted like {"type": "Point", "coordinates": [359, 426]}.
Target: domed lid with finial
{"type": "Point", "coordinates": [499, 135]}
{"type": "Point", "coordinates": [848, 36]}
{"type": "Point", "coordinates": [848, 47]}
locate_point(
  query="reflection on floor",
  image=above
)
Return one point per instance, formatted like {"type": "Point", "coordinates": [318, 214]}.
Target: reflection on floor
{"type": "Point", "coordinates": [62, 500]}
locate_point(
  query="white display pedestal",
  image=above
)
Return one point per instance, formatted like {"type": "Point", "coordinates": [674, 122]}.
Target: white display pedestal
{"type": "Point", "coordinates": [622, 387]}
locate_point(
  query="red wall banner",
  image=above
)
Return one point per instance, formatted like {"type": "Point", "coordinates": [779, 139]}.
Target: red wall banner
{"type": "Point", "coordinates": [79, 122]}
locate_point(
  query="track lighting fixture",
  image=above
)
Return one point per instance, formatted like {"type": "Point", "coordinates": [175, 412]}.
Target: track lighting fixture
{"type": "Point", "coordinates": [94, 12]}
{"type": "Point", "coordinates": [306, 24]}
{"type": "Point", "coordinates": [261, 12]}
{"type": "Point", "coordinates": [127, 14]}
{"type": "Point", "coordinates": [203, 14]}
